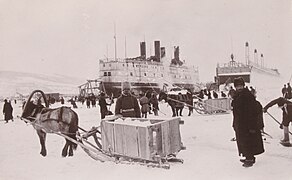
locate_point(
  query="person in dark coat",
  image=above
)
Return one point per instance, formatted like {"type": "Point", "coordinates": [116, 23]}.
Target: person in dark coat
{"type": "Point", "coordinates": [87, 102]}
{"type": "Point", "coordinates": [231, 92]}
{"type": "Point", "coordinates": [215, 95]}
{"type": "Point", "coordinates": [286, 107]}
{"type": "Point", "coordinates": [154, 101]}
{"type": "Point", "coordinates": [209, 95]}
{"type": "Point", "coordinates": [289, 91]}
{"type": "Point", "coordinates": [144, 102]}
{"type": "Point", "coordinates": [127, 105]}
{"type": "Point", "coordinates": [190, 102]}
{"type": "Point", "coordinates": [7, 111]}
{"type": "Point", "coordinates": [246, 124]}
{"type": "Point", "coordinates": [284, 90]}
{"type": "Point", "coordinates": [103, 105]}
{"type": "Point", "coordinates": [62, 100]}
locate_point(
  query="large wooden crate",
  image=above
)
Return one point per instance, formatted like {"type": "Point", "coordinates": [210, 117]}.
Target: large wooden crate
{"type": "Point", "coordinates": [137, 140]}
{"type": "Point", "coordinates": [217, 105]}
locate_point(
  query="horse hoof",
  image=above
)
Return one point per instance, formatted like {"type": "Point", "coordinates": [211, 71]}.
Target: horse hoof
{"type": "Point", "coordinates": [43, 153]}
{"type": "Point", "coordinates": [64, 154]}
{"type": "Point", "coordinates": [70, 154]}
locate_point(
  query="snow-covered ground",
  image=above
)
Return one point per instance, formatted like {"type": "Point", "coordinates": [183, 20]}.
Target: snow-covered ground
{"type": "Point", "coordinates": [209, 152]}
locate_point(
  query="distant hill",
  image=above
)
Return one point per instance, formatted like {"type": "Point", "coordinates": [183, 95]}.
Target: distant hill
{"type": "Point", "coordinates": [12, 83]}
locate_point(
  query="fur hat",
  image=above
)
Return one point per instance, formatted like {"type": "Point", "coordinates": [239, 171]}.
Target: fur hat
{"type": "Point", "coordinates": [126, 85]}
{"type": "Point", "coordinates": [238, 81]}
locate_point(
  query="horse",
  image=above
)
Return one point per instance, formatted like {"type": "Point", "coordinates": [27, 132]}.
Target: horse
{"type": "Point", "coordinates": [47, 120]}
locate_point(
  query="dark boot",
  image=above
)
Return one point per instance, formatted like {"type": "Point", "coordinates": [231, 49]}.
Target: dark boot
{"type": "Point", "coordinates": [248, 163]}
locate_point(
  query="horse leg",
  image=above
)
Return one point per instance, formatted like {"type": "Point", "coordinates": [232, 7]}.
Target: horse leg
{"type": "Point", "coordinates": [65, 149]}
{"type": "Point", "coordinates": [42, 136]}
{"type": "Point", "coordinates": [71, 149]}
{"type": "Point", "coordinates": [173, 111]}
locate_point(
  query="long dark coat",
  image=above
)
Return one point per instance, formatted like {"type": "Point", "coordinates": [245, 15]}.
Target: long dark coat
{"type": "Point", "coordinates": [127, 106]}
{"type": "Point", "coordinates": [103, 107]}
{"type": "Point", "coordinates": [7, 110]}
{"type": "Point", "coordinates": [246, 114]}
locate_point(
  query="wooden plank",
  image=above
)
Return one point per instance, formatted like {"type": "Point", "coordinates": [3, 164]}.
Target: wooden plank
{"type": "Point", "coordinates": [107, 136]}
{"type": "Point", "coordinates": [143, 143]}
{"type": "Point", "coordinates": [175, 138]}
{"type": "Point", "coordinates": [131, 141]}
{"type": "Point", "coordinates": [103, 131]}
{"type": "Point", "coordinates": [165, 138]}
{"type": "Point", "coordinates": [119, 139]}
{"type": "Point", "coordinates": [158, 138]}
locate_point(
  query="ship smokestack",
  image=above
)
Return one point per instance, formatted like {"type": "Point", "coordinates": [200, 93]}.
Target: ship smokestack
{"type": "Point", "coordinates": [262, 60]}
{"type": "Point", "coordinates": [256, 56]}
{"type": "Point", "coordinates": [157, 50]}
{"type": "Point", "coordinates": [143, 50]}
{"type": "Point", "coordinates": [162, 51]}
{"type": "Point", "coordinates": [176, 53]}
{"type": "Point", "coordinates": [246, 53]}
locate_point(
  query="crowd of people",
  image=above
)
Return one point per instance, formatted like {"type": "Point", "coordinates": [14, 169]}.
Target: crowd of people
{"type": "Point", "coordinates": [247, 112]}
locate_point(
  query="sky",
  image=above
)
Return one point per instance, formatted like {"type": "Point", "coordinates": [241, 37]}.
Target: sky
{"type": "Point", "coordinates": [70, 36]}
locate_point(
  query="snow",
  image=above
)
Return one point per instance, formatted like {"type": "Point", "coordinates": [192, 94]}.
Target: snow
{"type": "Point", "coordinates": [209, 152]}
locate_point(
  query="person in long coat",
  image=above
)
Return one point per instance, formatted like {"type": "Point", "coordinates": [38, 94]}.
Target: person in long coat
{"type": "Point", "coordinates": [127, 105]}
{"type": "Point", "coordinates": [246, 112]}
{"type": "Point", "coordinates": [7, 111]}
{"type": "Point", "coordinates": [103, 105]}
{"type": "Point", "coordinates": [154, 101]}
{"type": "Point", "coordinates": [144, 102]}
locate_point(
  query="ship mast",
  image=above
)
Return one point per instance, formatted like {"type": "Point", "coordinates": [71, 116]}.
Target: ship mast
{"type": "Point", "coordinates": [246, 53]}
{"type": "Point", "coordinates": [115, 37]}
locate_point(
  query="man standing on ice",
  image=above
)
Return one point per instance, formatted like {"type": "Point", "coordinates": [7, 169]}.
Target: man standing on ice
{"type": "Point", "coordinates": [127, 105]}
{"type": "Point", "coordinates": [245, 123]}
{"type": "Point", "coordinates": [286, 107]}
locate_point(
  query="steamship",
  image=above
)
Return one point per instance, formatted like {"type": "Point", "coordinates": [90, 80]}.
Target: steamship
{"type": "Point", "coordinates": [147, 73]}
{"type": "Point", "coordinates": [251, 71]}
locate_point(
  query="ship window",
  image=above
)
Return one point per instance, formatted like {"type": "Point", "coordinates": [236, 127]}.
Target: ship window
{"type": "Point", "coordinates": [145, 74]}
{"type": "Point", "coordinates": [110, 65]}
{"type": "Point", "coordinates": [154, 74]}
{"type": "Point", "coordinates": [123, 65]}
{"type": "Point", "coordinates": [131, 74]}
{"type": "Point", "coordinates": [103, 65]}
{"type": "Point", "coordinates": [109, 74]}
{"type": "Point", "coordinates": [127, 65]}
{"type": "Point", "coordinates": [161, 75]}
{"type": "Point", "coordinates": [105, 74]}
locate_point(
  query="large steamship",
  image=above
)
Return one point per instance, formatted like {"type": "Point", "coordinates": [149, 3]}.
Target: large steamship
{"type": "Point", "coordinates": [251, 71]}
{"type": "Point", "coordinates": [146, 73]}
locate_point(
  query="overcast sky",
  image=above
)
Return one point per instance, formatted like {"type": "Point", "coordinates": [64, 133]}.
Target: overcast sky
{"type": "Point", "coordinates": [70, 36]}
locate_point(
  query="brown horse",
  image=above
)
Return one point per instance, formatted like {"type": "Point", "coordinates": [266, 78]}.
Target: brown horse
{"type": "Point", "coordinates": [45, 120]}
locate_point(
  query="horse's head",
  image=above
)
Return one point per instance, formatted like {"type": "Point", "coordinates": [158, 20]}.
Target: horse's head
{"type": "Point", "coordinates": [31, 110]}
{"type": "Point", "coordinates": [162, 96]}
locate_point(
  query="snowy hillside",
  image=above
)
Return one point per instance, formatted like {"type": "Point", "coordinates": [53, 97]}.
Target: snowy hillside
{"type": "Point", "coordinates": [12, 83]}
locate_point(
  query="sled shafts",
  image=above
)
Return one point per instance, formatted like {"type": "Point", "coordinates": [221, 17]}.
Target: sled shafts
{"type": "Point", "coordinates": [276, 120]}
